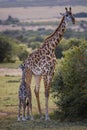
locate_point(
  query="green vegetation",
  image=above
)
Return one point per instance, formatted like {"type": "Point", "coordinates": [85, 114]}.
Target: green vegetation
{"type": "Point", "coordinates": [11, 49]}
{"type": "Point", "coordinates": [69, 86]}
{"type": "Point", "coordinates": [66, 45]}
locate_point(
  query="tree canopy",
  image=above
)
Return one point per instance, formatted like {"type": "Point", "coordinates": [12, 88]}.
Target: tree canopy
{"type": "Point", "coordinates": [10, 49]}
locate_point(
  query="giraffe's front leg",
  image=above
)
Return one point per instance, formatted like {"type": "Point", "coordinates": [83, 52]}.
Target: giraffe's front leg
{"type": "Point", "coordinates": [28, 83]}
{"type": "Point", "coordinates": [46, 103]}
{"type": "Point", "coordinates": [47, 82]}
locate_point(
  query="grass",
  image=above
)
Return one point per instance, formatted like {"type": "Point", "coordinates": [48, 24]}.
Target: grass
{"type": "Point", "coordinates": [10, 123]}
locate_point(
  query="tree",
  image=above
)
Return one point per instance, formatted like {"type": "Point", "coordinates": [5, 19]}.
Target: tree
{"type": "Point", "coordinates": [23, 53]}
{"type": "Point", "coordinates": [11, 20]}
{"type": "Point", "coordinates": [9, 49]}
{"type": "Point", "coordinates": [69, 86]}
{"type": "Point", "coordinates": [65, 45]}
{"type": "Point", "coordinates": [34, 45]}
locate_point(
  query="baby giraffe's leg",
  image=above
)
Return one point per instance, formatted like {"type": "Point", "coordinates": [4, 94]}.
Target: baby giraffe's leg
{"type": "Point", "coordinates": [24, 107]}
{"type": "Point", "coordinates": [19, 109]}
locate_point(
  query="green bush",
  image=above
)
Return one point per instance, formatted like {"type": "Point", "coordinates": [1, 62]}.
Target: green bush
{"type": "Point", "coordinates": [8, 48]}
{"type": "Point", "coordinates": [34, 45]}
{"type": "Point", "coordinates": [69, 85]}
{"type": "Point", "coordinates": [23, 55]}
{"type": "Point", "coordinates": [11, 49]}
{"type": "Point", "coordinates": [65, 45]}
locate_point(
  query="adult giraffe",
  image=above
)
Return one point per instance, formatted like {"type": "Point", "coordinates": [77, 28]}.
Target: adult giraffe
{"type": "Point", "coordinates": [41, 63]}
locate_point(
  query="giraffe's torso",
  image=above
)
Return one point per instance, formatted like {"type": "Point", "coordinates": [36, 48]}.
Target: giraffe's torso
{"type": "Point", "coordinates": [42, 61]}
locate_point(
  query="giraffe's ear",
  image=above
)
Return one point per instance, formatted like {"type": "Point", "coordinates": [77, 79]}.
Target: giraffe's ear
{"type": "Point", "coordinates": [70, 9]}
{"type": "Point", "coordinates": [66, 9]}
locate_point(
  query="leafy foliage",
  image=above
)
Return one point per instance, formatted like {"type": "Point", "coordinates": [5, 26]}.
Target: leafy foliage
{"type": "Point", "coordinates": [69, 86]}
{"type": "Point", "coordinates": [65, 45]}
{"type": "Point", "coordinates": [23, 53]}
{"type": "Point", "coordinates": [10, 49]}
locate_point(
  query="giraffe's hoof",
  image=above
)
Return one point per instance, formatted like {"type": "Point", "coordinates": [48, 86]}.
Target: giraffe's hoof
{"type": "Point", "coordinates": [18, 118]}
{"type": "Point", "coordinates": [42, 117]}
{"type": "Point", "coordinates": [23, 119]}
{"type": "Point", "coordinates": [32, 118]}
{"type": "Point", "coordinates": [27, 118]}
{"type": "Point", "coordinates": [47, 118]}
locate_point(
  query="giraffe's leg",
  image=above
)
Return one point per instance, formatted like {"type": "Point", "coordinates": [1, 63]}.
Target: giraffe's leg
{"type": "Point", "coordinates": [27, 107]}
{"type": "Point", "coordinates": [19, 109]}
{"type": "Point", "coordinates": [28, 83]}
{"type": "Point", "coordinates": [36, 90]}
{"type": "Point", "coordinates": [24, 107]}
{"type": "Point", "coordinates": [47, 82]}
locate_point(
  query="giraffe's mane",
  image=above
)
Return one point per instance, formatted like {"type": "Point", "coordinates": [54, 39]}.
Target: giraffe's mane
{"type": "Point", "coordinates": [55, 30]}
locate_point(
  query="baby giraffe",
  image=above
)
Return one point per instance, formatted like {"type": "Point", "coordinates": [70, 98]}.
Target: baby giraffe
{"type": "Point", "coordinates": [23, 96]}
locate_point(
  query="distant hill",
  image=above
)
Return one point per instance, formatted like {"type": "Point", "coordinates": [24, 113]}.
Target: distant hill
{"type": "Point", "coordinates": [26, 3]}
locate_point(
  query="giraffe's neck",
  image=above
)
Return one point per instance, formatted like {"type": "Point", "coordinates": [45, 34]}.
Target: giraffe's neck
{"type": "Point", "coordinates": [55, 38]}
{"type": "Point", "coordinates": [23, 75]}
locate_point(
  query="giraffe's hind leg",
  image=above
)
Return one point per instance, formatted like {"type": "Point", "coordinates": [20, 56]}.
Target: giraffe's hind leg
{"type": "Point", "coordinates": [36, 90]}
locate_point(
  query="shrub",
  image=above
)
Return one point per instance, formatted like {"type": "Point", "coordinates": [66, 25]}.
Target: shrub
{"type": "Point", "coordinates": [34, 45]}
{"type": "Point", "coordinates": [65, 45]}
{"type": "Point", "coordinates": [11, 49]}
{"type": "Point", "coordinates": [23, 55]}
{"type": "Point", "coordinates": [7, 49]}
{"type": "Point", "coordinates": [69, 85]}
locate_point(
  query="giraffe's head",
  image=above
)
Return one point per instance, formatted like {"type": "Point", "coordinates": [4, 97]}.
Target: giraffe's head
{"type": "Point", "coordinates": [69, 16]}
{"type": "Point", "coordinates": [22, 67]}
